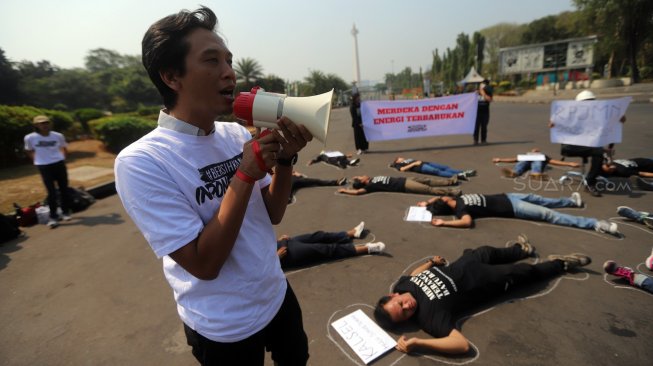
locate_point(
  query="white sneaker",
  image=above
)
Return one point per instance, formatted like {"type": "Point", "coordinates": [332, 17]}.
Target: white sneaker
{"type": "Point", "coordinates": [577, 200]}
{"type": "Point", "coordinates": [606, 227]}
{"type": "Point", "coordinates": [649, 261]}
{"type": "Point", "coordinates": [375, 248]}
{"type": "Point", "coordinates": [358, 230]}
{"type": "Point", "coordinates": [66, 217]}
{"type": "Point", "coordinates": [359, 151]}
{"type": "Point", "coordinates": [52, 223]}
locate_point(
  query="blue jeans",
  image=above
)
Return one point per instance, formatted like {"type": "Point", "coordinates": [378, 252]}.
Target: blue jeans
{"type": "Point", "coordinates": [438, 169]}
{"type": "Point", "coordinates": [643, 282]}
{"type": "Point", "coordinates": [524, 166]}
{"type": "Point", "coordinates": [537, 208]}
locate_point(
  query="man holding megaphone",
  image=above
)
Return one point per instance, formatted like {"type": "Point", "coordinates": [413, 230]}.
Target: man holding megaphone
{"type": "Point", "coordinates": [200, 193]}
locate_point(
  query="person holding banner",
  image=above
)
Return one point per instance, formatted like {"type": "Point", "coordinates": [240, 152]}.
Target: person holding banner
{"type": "Point", "coordinates": [364, 184]}
{"type": "Point", "coordinates": [535, 166]}
{"type": "Point", "coordinates": [595, 154]}
{"type": "Point", "coordinates": [468, 207]}
{"type": "Point", "coordinates": [357, 123]}
{"type": "Point", "coordinates": [199, 191]}
{"type": "Point", "coordinates": [436, 294]}
{"type": "Point", "coordinates": [485, 93]}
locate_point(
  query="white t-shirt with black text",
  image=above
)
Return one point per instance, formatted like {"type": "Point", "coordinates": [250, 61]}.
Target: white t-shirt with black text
{"type": "Point", "coordinates": [47, 149]}
{"type": "Point", "coordinates": [171, 184]}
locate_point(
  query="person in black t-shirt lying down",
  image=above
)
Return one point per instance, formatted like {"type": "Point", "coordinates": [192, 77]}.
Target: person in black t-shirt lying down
{"type": "Point", "coordinates": [526, 206]}
{"type": "Point", "coordinates": [434, 292]}
{"type": "Point", "coordinates": [364, 184]}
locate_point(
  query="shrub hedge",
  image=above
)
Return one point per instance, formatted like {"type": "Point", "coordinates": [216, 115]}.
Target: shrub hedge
{"type": "Point", "coordinates": [117, 132]}
{"type": "Point", "coordinates": [83, 115]}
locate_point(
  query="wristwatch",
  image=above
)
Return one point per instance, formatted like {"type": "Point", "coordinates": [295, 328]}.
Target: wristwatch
{"type": "Point", "coordinates": [288, 162]}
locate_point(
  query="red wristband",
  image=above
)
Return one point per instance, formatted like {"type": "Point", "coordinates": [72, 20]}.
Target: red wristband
{"type": "Point", "coordinates": [259, 158]}
{"type": "Point", "coordinates": [244, 177]}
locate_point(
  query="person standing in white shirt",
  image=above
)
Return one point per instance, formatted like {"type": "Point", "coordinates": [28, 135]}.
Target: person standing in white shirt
{"type": "Point", "coordinates": [199, 191]}
{"type": "Point", "coordinates": [47, 149]}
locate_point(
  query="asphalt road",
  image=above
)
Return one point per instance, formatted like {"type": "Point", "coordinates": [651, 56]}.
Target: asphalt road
{"type": "Point", "coordinates": [92, 292]}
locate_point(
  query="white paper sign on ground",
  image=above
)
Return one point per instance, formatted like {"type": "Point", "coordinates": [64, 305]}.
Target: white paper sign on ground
{"type": "Point", "coordinates": [418, 214]}
{"type": "Point", "coordinates": [363, 335]}
{"type": "Point", "coordinates": [531, 157]}
{"type": "Point", "coordinates": [333, 154]}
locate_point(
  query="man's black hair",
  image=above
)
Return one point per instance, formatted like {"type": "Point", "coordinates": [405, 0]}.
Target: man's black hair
{"type": "Point", "coordinates": [382, 317]}
{"type": "Point", "coordinates": [165, 47]}
{"type": "Point", "coordinates": [357, 183]}
{"type": "Point", "coordinates": [440, 208]}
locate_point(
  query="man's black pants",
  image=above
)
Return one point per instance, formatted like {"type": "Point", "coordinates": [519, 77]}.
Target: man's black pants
{"type": "Point", "coordinates": [490, 268]}
{"type": "Point", "coordinates": [51, 174]}
{"type": "Point", "coordinates": [284, 337]}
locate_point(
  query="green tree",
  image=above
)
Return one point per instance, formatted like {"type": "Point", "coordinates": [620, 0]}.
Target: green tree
{"type": "Point", "coordinates": [499, 36]}
{"type": "Point", "coordinates": [273, 83]}
{"type": "Point", "coordinates": [248, 71]}
{"type": "Point", "coordinates": [625, 24]}
{"type": "Point", "coordinates": [100, 59]}
{"type": "Point", "coordinates": [41, 69]}
{"type": "Point", "coordinates": [336, 82]}
{"type": "Point", "coordinates": [436, 67]}
{"type": "Point", "coordinates": [479, 49]}
{"type": "Point", "coordinates": [317, 83]}
{"type": "Point", "coordinates": [72, 88]}
{"type": "Point", "coordinates": [9, 79]}
{"type": "Point", "coordinates": [466, 56]}
{"type": "Point", "coordinates": [131, 88]}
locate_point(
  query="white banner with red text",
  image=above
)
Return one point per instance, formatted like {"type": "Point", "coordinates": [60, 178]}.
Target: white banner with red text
{"type": "Point", "coordinates": [403, 119]}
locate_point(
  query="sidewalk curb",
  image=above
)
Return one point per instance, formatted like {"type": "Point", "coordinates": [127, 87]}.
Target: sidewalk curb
{"type": "Point", "coordinates": [103, 190]}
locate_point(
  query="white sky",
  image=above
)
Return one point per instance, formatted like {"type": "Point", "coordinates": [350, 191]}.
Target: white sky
{"type": "Point", "coordinates": [287, 37]}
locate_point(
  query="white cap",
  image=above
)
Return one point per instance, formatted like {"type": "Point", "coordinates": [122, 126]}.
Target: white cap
{"type": "Point", "coordinates": [585, 95]}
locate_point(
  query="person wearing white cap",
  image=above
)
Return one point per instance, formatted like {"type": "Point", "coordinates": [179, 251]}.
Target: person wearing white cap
{"type": "Point", "coordinates": [47, 149]}
{"type": "Point", "coordinates": [594, 153]}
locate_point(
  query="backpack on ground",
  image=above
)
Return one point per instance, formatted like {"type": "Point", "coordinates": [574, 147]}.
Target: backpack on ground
{"type": "Point", "coordinates": [8, 228]}
{"type": "Point", "coordinates": [80, 199]}
{"type": "Point", "coordinates": [26, 216]}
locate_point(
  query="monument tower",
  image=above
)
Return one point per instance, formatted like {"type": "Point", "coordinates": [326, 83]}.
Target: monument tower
{"type": "Point", "coordinates": [357, 71]}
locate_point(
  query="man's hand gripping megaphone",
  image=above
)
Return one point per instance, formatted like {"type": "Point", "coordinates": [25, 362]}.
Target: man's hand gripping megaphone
{"type": "Point", "coordinates": [260, 154]}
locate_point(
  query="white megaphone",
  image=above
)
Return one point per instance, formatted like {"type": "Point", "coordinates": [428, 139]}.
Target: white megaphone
{"type": "Point", "coordinates": [262, 109]}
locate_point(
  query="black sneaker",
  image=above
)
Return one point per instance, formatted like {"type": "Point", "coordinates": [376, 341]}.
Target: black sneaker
{"type": "Point", "coordinates": [641, 184]}
{"type": "Point", "coordinates": [593, 191]}
{"type": "Point", "coordinates": [470, 173]}
{"type": "Point", "coordinates": [525, 244]}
